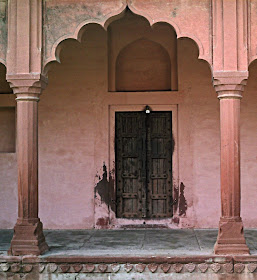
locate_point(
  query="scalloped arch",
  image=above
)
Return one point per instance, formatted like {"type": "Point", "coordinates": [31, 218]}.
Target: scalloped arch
{"type": "Point", "coordinates": [3, 61]}
{"type": "Point", "coordinates": [252, 60]}
{"type": "Point", "coordinates": [77, 34]}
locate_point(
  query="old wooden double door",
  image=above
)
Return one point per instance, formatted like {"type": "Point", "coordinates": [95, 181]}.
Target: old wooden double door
{"type": "Point", "coordinates": [143, 146]}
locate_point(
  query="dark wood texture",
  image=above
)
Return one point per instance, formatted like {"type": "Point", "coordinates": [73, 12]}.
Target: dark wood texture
{"type": "Point", "coordinates": [144, 164]}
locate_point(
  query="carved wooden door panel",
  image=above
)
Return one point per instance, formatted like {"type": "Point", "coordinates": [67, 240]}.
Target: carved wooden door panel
{"type": "Point", "coordinates": [130, 159]}
{"type": "Point", "coordinates": [143, 146]}
{"type": "Point", "coordinates": [159, 162]}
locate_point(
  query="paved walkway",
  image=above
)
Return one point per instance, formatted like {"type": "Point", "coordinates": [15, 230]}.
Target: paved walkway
{"type": "Point", "coordinates": [140, 242]}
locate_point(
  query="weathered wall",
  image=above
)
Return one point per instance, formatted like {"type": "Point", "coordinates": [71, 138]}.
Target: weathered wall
{"type": "Point", "coordinates": [3, 30]}
{"type": "Point", "coordinates": [7, 124]}
{"type": "Point", "coordinates": [249, 149]}
{"type": "Point", "coordinates": [74, 135]}
{"type": "Point", "coordinates": [188, 19]}
{"type": "Point", "coordinates": [8, 175]}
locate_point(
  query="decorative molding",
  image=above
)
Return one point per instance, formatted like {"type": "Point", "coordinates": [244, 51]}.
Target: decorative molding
{"type": "Point", "coordinates": [106, 268]}
{"type": "Point", "coordinates": [27, 86]}
{"type": "Point", "coordinates": [229, 84]}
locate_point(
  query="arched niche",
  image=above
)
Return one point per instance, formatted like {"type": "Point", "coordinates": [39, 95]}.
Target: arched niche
{"type": "Point", "coordinates": [118, 18]}
{"type": "Point", "coordinates": [112, 12]}
{"type": "Point", "coordinates": [141, 57]}
{"type": "Point", "coordinates": [143, 65]}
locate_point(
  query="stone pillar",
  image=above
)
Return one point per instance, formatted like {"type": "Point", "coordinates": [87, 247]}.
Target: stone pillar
{"type": "Point", "coordinates": [28, 235]}
{"type": "Point", "coordinates": [231, 236]}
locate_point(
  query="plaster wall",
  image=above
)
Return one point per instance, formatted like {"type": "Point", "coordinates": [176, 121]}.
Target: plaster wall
{"type": "Point", "coordinates": [8, 181]}
{"type": "Point", "coordinates": [74, 138]}
{"type": "Point", "coordinates": [7, 124]}
{"type": "Point", "coordinates": [249, 150]}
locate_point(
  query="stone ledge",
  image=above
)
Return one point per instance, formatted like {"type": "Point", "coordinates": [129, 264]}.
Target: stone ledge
{"type": "Point", "coordinates": [106, 265]}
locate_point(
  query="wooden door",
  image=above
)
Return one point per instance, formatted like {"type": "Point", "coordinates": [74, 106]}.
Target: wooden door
{"type": "Point", "coordinates": [143, 147]}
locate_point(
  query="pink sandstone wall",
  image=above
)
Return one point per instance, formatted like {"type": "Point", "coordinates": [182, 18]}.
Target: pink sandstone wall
{"type": "Point", "coordinates": [249, 149]}
{"type": "Point", "coordinates": [8, 181]}
{"type": "Point", "coordinates": [73, 138]}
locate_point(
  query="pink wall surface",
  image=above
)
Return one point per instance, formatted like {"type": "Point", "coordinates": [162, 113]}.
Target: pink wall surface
{"type": "Point", "coordinates": [74, 138]}
{"type": "Point", "coordinates": [249, 150]}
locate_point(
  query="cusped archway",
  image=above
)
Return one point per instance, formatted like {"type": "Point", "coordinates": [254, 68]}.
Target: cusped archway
{"type": "Point", "coordinates": [78, 33]}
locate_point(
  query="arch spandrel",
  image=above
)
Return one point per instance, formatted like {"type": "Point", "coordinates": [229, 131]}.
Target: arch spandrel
{"type": "Point", "coordinates": [3, 31]}
{"type": "Point", "coordinates": [189, 19]}
{"type": "Point", "coordinates": [252, 30]}
{"type": "Point", "coordinates": [66, 19]}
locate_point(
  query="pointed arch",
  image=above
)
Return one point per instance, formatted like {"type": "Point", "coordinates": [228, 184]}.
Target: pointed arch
{"type": "Point", "coordinates": [78, 32]}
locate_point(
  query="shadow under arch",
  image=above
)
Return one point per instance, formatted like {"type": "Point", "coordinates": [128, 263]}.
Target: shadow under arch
{"type": "Point", "coordinates": [157, 64]}
{"type": "Point", "coordinates": [79, 32]}
{"type": "Point", "coordinates": [252, 64]}
{"type": "Point", "coordinates": [4, 85]}
{"type": "Point", "coordinates": [252, 72]}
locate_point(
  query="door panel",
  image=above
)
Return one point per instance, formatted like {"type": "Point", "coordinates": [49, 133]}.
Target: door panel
{"type": "Point", "coordinates": [160, 163]}
{"type": "Point", "coordinates": [143, 164]}
{"type": "Point", "coordinates": [129, 157]}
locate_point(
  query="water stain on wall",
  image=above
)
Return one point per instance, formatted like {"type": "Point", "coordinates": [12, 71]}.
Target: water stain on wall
{"type": "Point", "coordinates": [103, 222]}
{"type": "Point", "coordinates": [105, 189]}
{"type": "Point", "coordinates": [182, 201]}
{"type": "Point", "coordinates": [175, 198]}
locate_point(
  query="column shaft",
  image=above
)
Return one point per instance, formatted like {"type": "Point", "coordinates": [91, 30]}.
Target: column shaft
{"type": "Point", "coordinates": [231, 236]}
{"type": "Point", "coordinates": [27, 159]}
{"type": "Point", "coordinates": [28, 238]}
{"type": "Point", "coordinates": [230, 157]}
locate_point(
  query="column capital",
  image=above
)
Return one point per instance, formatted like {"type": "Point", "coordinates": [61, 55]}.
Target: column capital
{"type": "Point", "coordinates": [230, 84]}
{"type": "Point", "coordinates": [27, 86]}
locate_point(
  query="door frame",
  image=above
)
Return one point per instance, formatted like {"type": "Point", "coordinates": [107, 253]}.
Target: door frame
{"type": "Point", "coordinates": [122, 222]}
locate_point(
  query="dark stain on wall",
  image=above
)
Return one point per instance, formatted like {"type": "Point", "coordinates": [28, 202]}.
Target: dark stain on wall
{"type": "Point", "coordinates": [103, 222]}
{"type": "Point", "coordinates": [174, 12]}
{"type": "Point", "coordinates": [175, 220]}
{"type": "Point", "coordinates": [182, 201]}
{"type": "Point", "coordinates": [173, 144]}
{"type": "Point", "coordinates": [175, 198]}
{"type": "Point", "coordinates": [105, 189]}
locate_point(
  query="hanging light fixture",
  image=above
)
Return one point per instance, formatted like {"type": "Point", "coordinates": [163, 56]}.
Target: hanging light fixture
{"type": "Point", "coordinates": [147, 109]}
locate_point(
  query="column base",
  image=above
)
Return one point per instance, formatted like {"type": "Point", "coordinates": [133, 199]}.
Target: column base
{"type": "Point", "coordinates": [28, 238]}
{"type": "Point", "coordinates": [231, 240]}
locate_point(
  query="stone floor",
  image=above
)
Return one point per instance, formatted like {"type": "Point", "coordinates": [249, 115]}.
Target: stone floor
{"type": "Point", "coordinates": [142, 254]}
{"type": "Point", "coordinates": [140, 242]}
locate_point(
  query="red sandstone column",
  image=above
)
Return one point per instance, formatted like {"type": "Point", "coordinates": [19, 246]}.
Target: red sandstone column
{"type": "Point", "coordinates": [231, 237]}
{"type": "Point", "coordinates": [28, 235]}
